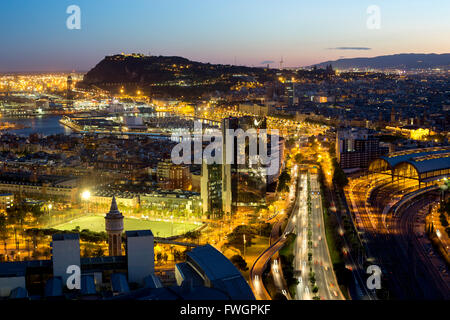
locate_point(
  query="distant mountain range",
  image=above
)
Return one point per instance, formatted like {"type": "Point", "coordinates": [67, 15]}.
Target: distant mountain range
{"type": "Point", "coordinates": [405, 61]}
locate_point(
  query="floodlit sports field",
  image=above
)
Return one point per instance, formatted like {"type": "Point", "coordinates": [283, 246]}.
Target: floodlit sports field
{"type": "Point", "coordinates": [159, 228]}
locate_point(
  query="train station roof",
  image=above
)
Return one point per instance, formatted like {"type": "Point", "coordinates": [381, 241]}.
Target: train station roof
{"type": "Point", "coordinates": [424, 160]}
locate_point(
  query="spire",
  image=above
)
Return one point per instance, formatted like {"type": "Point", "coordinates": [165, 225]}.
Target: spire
{"type": "Point", "coordinates": [114, 210]}
{"type": "Point", "coordinates": [114, 204]}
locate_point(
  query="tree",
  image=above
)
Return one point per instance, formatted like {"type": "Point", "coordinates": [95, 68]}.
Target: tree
{"type": "Point", "coordinates": [339, 177]}
{"type": "Point", "coordinates": [193, 235]}
{"type": "Point", "coordinates": [283, 181]}
{"type": "Point", "coordinates": [266, 229]}
{"type": "Point", "coordinates": [37, 211]}
{"type": "Point", "coordinates": [87, 252]}
{"type": "Point", "coordinates": [299, 158]}
{"type": "Point", "coordinates": [99, 252]}
{"type": "Point", "coordinates": [236, 238]}
{"type": "Point", "coordinates": [239, 262]}
{"type": "Point", "coordinates": [178, 255]}
{"type": "Point", "coordinates": [3, 230]}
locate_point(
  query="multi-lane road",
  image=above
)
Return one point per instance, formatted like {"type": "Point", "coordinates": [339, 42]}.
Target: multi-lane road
{"type": "Point", "coordinates": [322, 264]}
{"type": "Point", "coordinates": [321, 261]}
{"type": "Point", "coordinates": [277, 242]}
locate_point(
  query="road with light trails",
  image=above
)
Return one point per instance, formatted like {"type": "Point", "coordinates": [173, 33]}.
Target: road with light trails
{"type": "Point", "coordinates": [301, 248]}
{"type": "Point", "coordinates": [322, 265]}
{"type": "Point", "coordinates": [276, 244]}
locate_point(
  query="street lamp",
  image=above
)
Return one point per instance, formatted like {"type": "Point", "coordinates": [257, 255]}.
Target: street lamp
{"type": "Point", "coordinates": [86, 195]}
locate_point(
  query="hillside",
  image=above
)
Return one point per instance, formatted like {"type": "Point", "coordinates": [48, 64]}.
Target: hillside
{"type": "Point", "coordinates": [397, 61]}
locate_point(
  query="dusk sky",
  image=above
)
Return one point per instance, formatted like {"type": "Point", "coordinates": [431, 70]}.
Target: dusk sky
{"type": "Point", "coordinates": [34, 36]}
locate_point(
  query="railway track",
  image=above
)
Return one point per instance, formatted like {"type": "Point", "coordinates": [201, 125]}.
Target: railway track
{"type": "Point", "coordinates": [391, 240]}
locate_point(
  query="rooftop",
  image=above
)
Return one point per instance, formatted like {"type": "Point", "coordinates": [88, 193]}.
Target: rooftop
{"type": "Point", "coordinates": [423, 160]}
{"type": "Point", "coordinates": [139, 233]}
{"type": "Point", "coordinates": [220, 272]}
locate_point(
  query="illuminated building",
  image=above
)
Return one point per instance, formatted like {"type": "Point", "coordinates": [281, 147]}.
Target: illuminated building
{"type": "Point", "coordinates": [114, 229]}
{"type": "Point", "coordinates": [171, 176]}
{"type": "Point", "coordinates": [211, 188]}
{"type": "Point", "coordinates": [206, 274]}
{"type": "Point", "coordinates": [290, 92]}
{"type": "Point", "coordinates": [356, 148]}
{"type": "Point", "coordinates": [6, 200]}
{"type": "Point", "coordinates": [412, 132]}
{"type": "Point", "coordinates": [424, 165]}
{"type": "Point", "coordinates": [243, 185]}
{"type": "Point", "coordinates": [179, 177]}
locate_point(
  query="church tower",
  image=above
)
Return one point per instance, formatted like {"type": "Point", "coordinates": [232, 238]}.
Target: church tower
{"type": "Point", "coordinates": [114, 229]}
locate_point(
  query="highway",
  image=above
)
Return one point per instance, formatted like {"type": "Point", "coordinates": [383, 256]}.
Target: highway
{"type": "Point", "coordinates": [321, 260]}
{"type": "Point", "coordinates": [300, 248]}
{"type": "Point", "coordinates": [258, 268]}
{"type": "Point", "coordinates": [276, 243]}
{"type": "Point", "coordinates": [322, 264]}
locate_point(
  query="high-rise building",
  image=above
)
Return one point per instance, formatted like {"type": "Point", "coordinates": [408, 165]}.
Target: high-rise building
{"type": "Point", "coordinates": [243, 185]}
{"type": "Point", "coordinates": [211, 188]}
{"type": "Point", "coordinates": [114, 229]}
{"type": "Point", "coordinates": [290, 93]}
{"type": "Point", "coordinates": [356, 148]}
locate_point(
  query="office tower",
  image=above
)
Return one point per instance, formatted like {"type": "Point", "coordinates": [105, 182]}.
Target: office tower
{"type": "Point", "coordinates": [243, 185]}
{"type": "Point", "coordinates": [114, 229]}
{"type": "Point", "coordinates": [290, 92]}
{"type": "Point", "coordinates": [211, 188]}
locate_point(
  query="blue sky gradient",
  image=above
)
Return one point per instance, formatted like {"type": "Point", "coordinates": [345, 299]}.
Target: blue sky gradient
{"type": "Point", "coordinates": [34, 36]}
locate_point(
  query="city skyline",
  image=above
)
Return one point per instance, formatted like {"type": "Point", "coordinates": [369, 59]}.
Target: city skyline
{"type": "Point", "coordinates": [226, 32]}
{"type": "Point", "coordinates": [194, 150]}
